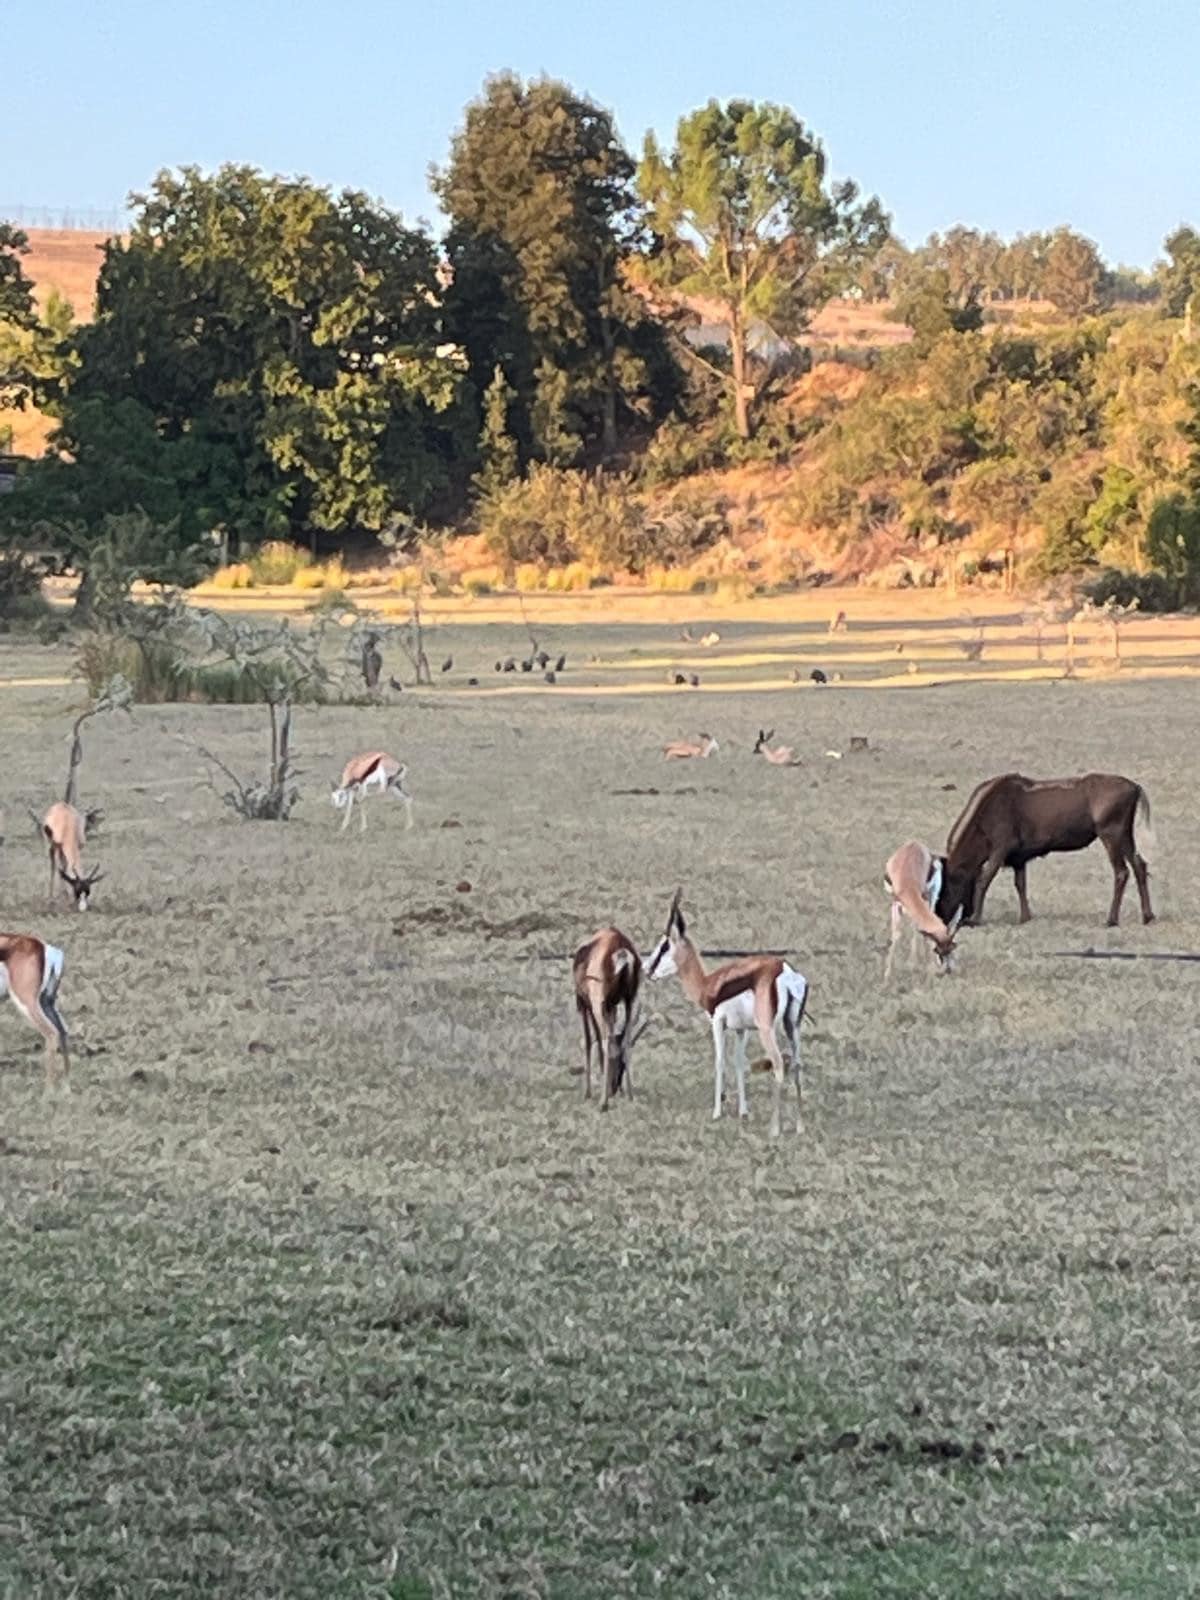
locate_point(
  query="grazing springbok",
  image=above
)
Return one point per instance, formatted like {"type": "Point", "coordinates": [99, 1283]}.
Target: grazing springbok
{"type": "Point", "coordinates": [913, 878]}
{"type": "Point", "coordinates": [607, 973]}
{"type": "Point", "coordinates": [372, 773]}
{"type": "Point", "coordinates": [752, 992]}
{"type": "Point", "coordinates": [30, 973]}
{"type": "Point", "coordinates": [65, 830]}
{"type": "Point", "coordinates": [686, 750]}
{"type": "Point", "coordinates": [782, 755]}
{"type": "Point", "coordinates": [1012, 820]}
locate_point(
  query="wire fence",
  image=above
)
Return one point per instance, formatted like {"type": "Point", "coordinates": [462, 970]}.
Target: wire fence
{"type": "Point", "coordinates": [81, 219]}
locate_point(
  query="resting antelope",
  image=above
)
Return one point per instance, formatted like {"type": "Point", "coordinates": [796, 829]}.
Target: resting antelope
{"type": "Point", "coordinates": [30, 973]}
{"type": "Point", "coordinates": [65, 831]}
{"type": "Point", "coordinates": [685, 750]}
{"type": "Point", "coordinates": [372, 773]}
{"type": "Point", "coordinates": [782, 755]}
{"type": "Point", "coordinates": [607, 973]}
{"type": "Point", "coordinates": [913, 877]}
{"type": "Point", "coordinates": [753, 992]}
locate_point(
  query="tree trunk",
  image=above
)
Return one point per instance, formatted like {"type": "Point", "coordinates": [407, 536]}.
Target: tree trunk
{"type": "Point", "coordinates": [737, 351]}
{"type": "Point", "coordinates": [85, 596]}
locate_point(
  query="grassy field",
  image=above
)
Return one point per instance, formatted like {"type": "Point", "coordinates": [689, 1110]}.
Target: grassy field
{"type": "Point", "coordinates": [325, 1282]}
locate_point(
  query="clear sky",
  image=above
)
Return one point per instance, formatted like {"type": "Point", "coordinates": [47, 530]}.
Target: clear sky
{"type": "Point", "coordinates": [1009, 116]}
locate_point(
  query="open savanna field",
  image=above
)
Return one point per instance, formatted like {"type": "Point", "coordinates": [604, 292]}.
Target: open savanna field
{"type": "Point", "coordinates": [324, 1281]}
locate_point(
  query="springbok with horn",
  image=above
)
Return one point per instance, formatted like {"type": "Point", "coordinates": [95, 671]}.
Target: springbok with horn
{"type": "Point", "coordinates": [607, 973]}
{"type": "Point", "coordinates": [783, 755]}
{"type": "Point", "coordinates": [65, 830]}
{"type": "Point", "coordinates": [913, 877]}
{"type": "Point", "coordinates": [752, 992]}
{"type": "Point", "coordinates": [30, 973]}
{"type": "Point", "coordinates": [687, 750]}
{"type": "Point", "coordinates": [372, 773]}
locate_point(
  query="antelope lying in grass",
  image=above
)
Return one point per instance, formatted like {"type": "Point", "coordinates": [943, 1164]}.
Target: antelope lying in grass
{"type": "Point", "coordinates": [65, 830]}
{"type": "Point", "coordinates": [913, 878]}
{"type": "Point", "coordinates": [372, 773]}
{"type": "Point", "coordinates": [753, 992]}
{"type": "Point", "coordinates": [607, 973]}
{"type": "Point", "coordinates": [783, 755]}
{"type": "Point", "coordinates": [30, 973]}
{"type": "Point", "coordinates": [685, 750]}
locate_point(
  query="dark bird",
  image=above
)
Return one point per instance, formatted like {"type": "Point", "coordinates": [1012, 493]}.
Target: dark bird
{"type": "Point", "coordinates": [560, 663]}
{"type": "Point", "coordinates": [472, 683]}
{"type": "Point", "coordinates": [818, 676]}
{"type": "Point", "coordinates": [694, 680]}
{"type": "Point", "coordinates": [550, 678]}
{"type": "Point", "coordinates": [499, 666]}
{"type": "Point", "coordinates": [394, 683]}
{"type": "Point", "coordinates": [679, 678]}
{"type": "Point", "coordinates": [542, 659]}
{"type": "Point", "coordinates": [447, 664]}
{"type": "Point", "coordinates": [510, 665]}
{"type": "Point", "coordinates": [527, 666]}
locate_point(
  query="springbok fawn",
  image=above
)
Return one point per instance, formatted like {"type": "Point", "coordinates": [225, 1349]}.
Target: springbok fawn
{"type": "Point", "coordinates": [372, 773]}
{"type": "Point", "coordinates": [607, 973]}
{"type": "Point", "coordinates": [686, 750]}
{"type": "Point", "coordinates": [30, 973]}
{"type": "Point", "coordinates": [783, 755]}
{"type": "Point", "coordinates": [65, 830]}
{"type": "Point", "coordinates": [913, 877]}
{"type": "Point", "coordinates": [753, 992]}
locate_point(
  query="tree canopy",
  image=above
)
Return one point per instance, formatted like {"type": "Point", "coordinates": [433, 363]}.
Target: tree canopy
{"type": "Point", "coordinates": [744, 214]}
{"type": "Point", "coordinates": [543, 216]}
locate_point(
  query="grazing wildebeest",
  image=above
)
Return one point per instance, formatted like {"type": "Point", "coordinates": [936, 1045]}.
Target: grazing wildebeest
{"type": "Point", "coordinates": [1012, 820]}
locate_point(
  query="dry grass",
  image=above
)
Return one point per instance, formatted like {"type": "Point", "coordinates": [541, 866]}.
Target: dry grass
{"type": "Point", "coordinates": [325, 1282]}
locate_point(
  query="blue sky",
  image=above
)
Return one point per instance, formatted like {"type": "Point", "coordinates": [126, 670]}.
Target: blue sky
{"type": "Point", "coordinates": [1013, 117]}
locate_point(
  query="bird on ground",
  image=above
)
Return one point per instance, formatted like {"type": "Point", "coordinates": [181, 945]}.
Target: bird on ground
{"type": "Point", "coordinates": [394, 683]}
{"type": "Point", "coordinates": [818, 676]}
{"type": "Point", "coordinates": [509, 666]}
{"type": "Point", "coordinates": [447, 664]}
{"type": "Point", "coordinates": [527, 665]}
{"type": "Point", "coordinates": [694, 680]}
{"type": "Point", "coordinates": [678, 678]}
{"type": "Point", "coordinates": [560, 663]}
{"type": "Point", "coordinates": [472, 683]}
{"type": "Point", "coordinates": [550, 678]}
{"type": "Point", "coordinates": [543, 659]}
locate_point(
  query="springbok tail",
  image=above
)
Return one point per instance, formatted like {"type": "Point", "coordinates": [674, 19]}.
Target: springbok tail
{"type": "Point", "coordinates": [1148, 841]}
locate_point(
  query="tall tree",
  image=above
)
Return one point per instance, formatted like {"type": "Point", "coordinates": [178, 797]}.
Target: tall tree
{"type": "Point", "coordinates": [744, 215]}
{"type": "Point", "coordinates": [291, 336]}
{"type": "Point", "coordinates": [18, 319]}
{"type": "Point", "coordinates": [1073, 275]}
{"type": "Point", "coordinates": [1179, 274]}
{"type": "Point", "coordinates": [543, 215]}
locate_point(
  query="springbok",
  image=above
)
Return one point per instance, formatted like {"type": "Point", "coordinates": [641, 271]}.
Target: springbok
{"type": "Point", "coordinates": [782, 755]}
{"type": "Point", "coordinates": [686, 750]}
{"type": "Point", "coordinates": [372, 773]}
{"type": "Point", "coordinates": [607, 973]}
{"type": "Point", "coordinates": [913, 877]}
{"type": "Point", "coordinates": [30, 973]}
{"type": "Point", "coordinates": [752, 992]}
{"type": "Point", "coordinates": [65, 830]}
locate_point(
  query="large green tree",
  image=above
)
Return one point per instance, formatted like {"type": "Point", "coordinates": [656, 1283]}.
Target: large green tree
{"type": "Point", "coordinates": [291, 337]}
{"type": "Point", "coordinates": [543, 217]}
{"type": "Point", "coordinates": [1074, 279]}
{"type": "Point", "coordinates": [745, 215]}
{"type": "Point", "coordinates": [1179, 274]}
{"type": "Point", "coordinates": [19, 325]}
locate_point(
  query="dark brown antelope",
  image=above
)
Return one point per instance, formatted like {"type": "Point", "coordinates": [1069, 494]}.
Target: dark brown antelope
{"type": "Point", "coordinates": [607, 973]}
{"type": "Point", "coordinates": [1012, 820]}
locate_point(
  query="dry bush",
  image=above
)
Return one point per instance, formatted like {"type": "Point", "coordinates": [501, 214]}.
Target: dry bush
{"type": "Point", "coordinates": [278, 562]}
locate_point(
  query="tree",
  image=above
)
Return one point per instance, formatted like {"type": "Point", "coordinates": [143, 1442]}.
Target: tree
{"type": "Point", "coordinates": [744, 214]}
{"type": "Point", "coordinates": [291, 337]}
{"type": "Point", "coordinates": [1073, 275]}
{"type": "Point", "coordinates": [26, 343]}
{"type": "Point", "coordinates": [16, 291]}
{"type": "Point", "coordinates": [1173, 544]}
{"type": "Point", "coordinates": [498, 459]}
{"type": "Point", "coordinates": [1179, 274]}
{"type": "Point", "coordinates": [926, 302]}
{"type": "Point", "coordinates": [543, 217]}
